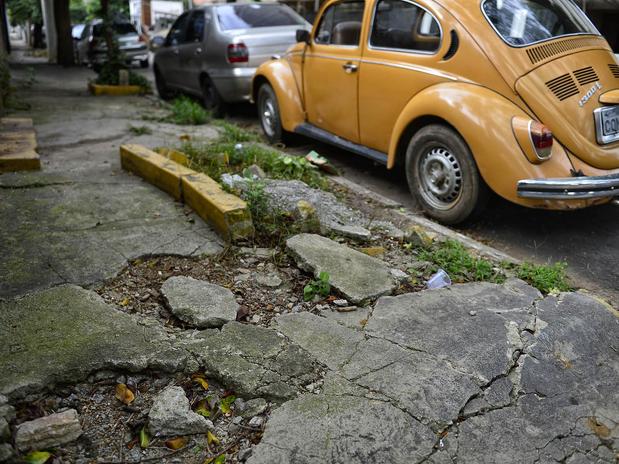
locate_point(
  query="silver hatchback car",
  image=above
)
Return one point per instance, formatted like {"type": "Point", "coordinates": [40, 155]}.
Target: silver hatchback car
{"type": "Point", "coordinates": [213, 51]}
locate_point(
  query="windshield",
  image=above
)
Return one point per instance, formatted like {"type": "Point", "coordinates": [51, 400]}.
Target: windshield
{"type": "Point", "coordinates": [524, 22]}
{"type": "Point", "coordinates": [256, 15]}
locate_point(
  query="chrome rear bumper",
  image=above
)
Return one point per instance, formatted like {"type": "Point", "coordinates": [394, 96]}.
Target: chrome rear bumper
{"type": "Point", "coordinates": [570, 188]}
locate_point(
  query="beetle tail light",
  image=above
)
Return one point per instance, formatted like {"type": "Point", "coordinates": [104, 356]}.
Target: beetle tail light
{"type": "Point", "coordinates": [542, 139]}
{"type": "Point", "coordinates": [238, 53]}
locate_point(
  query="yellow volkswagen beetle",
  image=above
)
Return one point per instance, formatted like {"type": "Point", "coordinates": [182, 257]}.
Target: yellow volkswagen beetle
{"type": "Point", "coordinates": [518, 96]}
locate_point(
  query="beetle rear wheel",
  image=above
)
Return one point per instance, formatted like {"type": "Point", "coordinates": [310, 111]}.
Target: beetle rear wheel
{"type": "Point", "coordinates": [443, 176]}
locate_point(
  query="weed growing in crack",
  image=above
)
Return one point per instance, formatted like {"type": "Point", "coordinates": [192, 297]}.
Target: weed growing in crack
{"type": "Point", "coordinates": [461, 265]}
{"type": "Point", "coordinates": [317, 287]}
{"type": "Point", "coordinates": [272, 227]}
{"type": "Point", "coordinates": [547, 279]}
{"type": "Point", "coordinates": [187, 112]}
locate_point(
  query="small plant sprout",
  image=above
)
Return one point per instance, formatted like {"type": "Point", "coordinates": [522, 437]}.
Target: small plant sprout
{"type": "Point", "coordinates": [317, 287]}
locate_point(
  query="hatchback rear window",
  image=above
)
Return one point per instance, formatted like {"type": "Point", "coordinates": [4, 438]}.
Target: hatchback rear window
{"type": "Point", "coordinates": [119, 28]}
{"type": "Point", "coordinates": [524, 22]}
{"type": "Point", "coordinates": [256, 15]}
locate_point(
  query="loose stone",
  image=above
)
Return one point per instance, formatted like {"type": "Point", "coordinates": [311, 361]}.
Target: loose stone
{"type": "Point", "coordinates": [198, 303]}
{"type": "Point", "coordinates": [49, 431]}
{"type": "Point", "coordinates": [171, 415]}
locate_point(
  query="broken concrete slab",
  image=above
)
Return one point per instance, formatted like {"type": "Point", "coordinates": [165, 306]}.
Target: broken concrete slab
{"type": "Point", "coordinates": [49, 431]}
{"type": "Point", "coordinates": [333, 215]}
{"type": "Point", "coordinates": [341, 429]}
{"type": "Point", "coordinates": [425, 386]}
{"type": "Point", "coordinates": [254, 361]}
{"type": "Point", "coordinates": [198, 303]}
{"type": "Point", "coordinates": [357, 276]}
{"type": "Point", "coordinates": [65, 333]}
{"type": "Point", "coordinates": [439, 322]}
{"type": "Point", "coordinates": [171, 415]}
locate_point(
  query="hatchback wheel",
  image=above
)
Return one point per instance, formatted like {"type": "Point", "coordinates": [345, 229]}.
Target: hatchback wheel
{"type": "Point", "coordinates": [143, 63]}
{"type": "Point", "coordinates": [212, 99]}
{"type": "Point", "coordinates": [442, 175]}
{"type": "Point", "coordinates": [162, 88]}
{"type": "Point", "coordinates": [268, 111]}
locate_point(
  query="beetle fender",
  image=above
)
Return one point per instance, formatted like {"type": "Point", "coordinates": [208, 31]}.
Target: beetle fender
{"type": "Point", "coordinates": [483, 119]}
{"type": "Point", "coordinates": [279, 74]}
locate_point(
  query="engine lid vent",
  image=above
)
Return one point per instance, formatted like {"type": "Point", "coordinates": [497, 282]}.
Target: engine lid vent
{"type": "Point", "coordinates": [614, 69]}
{"type": "Point", "coordinates": [586, 76]}
{"type": "Point", "coordinates": [546, 51]}
{"type": "Point", "coordinates": [563, 87]}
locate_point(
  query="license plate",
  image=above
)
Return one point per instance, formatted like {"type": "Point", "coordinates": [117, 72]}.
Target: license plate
{"type": "Point", "coordinates": [607, 124]}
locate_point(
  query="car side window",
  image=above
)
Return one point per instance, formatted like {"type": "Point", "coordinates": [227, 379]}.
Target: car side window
{"type": "Point", "coordinates": [341, 24]}
{"type": "Point", "coordinates": [177, 33]}
{"type": "Point", "coordinates": [402, 25]}
{"type": "Point", "coordinates": [195, 28]}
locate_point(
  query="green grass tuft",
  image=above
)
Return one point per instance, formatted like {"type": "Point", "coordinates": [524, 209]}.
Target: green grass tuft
{"type": "Point", "coordinates": [547, 279]}
{"type": "Point", "coordinates": [461, 265]}
{"type": "Point", "coordinates": [188, 112]}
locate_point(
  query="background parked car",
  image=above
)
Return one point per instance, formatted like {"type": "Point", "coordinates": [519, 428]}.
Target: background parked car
{"type": "Point", "coordinates": [92, 48]}
{"type": "Point", "coordinates": [213, 52]}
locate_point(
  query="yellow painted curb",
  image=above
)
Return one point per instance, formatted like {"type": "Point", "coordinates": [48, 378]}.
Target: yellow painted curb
{"type": "Point", "coordinates": [115, 90]}
{"type": "Point", "coordinates": [174, 155]}
{"type": "Point", "coordinates": [155, 168]}
{"type": "Point", "coordinates": [18, 145]}
{"type": "Point", "coordinates": [227, 213]}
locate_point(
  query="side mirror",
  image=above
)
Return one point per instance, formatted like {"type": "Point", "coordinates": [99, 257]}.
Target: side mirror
{"type": "Point", "coordinates": [303, 35]}
{"type": "Point", "coordinates": [157, 42]}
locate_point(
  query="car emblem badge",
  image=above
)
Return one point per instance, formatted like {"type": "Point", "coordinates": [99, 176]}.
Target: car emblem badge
{"type": "Point", "coordinates": [590, 93]}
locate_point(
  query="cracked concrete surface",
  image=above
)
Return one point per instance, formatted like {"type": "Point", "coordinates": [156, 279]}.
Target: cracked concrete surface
{"type": "Point", "coordinates": [81, 218]}
{"type": "Point", "coordinates": [524, 379]}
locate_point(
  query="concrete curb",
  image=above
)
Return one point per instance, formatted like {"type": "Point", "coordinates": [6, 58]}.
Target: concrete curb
{"type": "Point", "coordinates": [426, 224]}
{"type": "Point", "coordinates": [115, 90]}
{"type": "Point", "coordinates": [227, 213]}
{"type": "Point", "coordinates": [18, 145]}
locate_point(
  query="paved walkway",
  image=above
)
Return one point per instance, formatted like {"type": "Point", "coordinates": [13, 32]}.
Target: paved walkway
{"type": "Point", "coordinates": [81, 217]}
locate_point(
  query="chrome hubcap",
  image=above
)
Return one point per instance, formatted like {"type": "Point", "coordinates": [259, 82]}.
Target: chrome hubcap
{"type": "Point", "coordinates": [268, 116]}
{"type": "Point", "coordinates": [440, 178]}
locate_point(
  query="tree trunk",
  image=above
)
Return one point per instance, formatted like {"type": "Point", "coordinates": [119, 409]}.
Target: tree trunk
{"type": "Point", "coordinates": [37, 36]}
{"type": "Point", "coordinates": [107, 29]}
{"type": "Point", "coordinates": [62, 18]}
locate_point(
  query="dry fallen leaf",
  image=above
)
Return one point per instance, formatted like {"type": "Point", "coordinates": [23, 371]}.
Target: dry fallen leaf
{"type": "Point", "coordinates": [124, 302]}
{"type": "Point", "coordinates": [199, 378]}
{"type": "Point", "coordinates": [176, 443]}
{"type": "Point", "coordinates": [211, 438]}
{"type": "Point", "coordinates": [124, 394]}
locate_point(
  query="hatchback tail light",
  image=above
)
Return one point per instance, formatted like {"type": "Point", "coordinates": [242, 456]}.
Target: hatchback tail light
{"type": "Point", "coordinates": [542, 139]}
{"type": "Point", "coordinates": [238, 53]}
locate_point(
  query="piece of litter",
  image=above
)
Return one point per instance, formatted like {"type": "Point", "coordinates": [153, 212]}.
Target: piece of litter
{"type": "Point", "coordinates": [439, 280]}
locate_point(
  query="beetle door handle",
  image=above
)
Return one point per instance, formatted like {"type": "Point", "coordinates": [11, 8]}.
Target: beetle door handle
{"type": "Point", "coordinates": [350, 68]}
{"type": "Point", "coordinates": [198, 51]}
